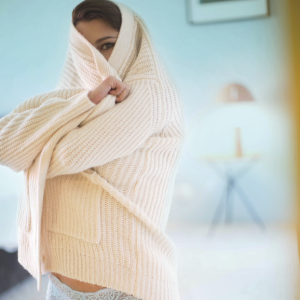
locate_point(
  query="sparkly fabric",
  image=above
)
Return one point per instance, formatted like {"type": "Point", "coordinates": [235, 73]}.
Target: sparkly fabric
{"type": "Point", "coordinates": [59, 291]}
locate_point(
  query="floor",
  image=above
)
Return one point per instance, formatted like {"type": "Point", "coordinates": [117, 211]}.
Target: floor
{"type": "Point", "coordinates": [237, 262]}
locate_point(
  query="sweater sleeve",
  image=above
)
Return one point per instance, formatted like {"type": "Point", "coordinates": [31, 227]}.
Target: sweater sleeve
{"type": "Point", "coordinates": [25, 131]}
{"type": "Point", "coordinates": [114, 134]}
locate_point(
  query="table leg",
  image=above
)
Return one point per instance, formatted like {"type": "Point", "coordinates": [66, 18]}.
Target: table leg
{"type": "Point", "coordinates": [251, 210]}
{"type": "Point", "coordinates": [229, 206]}
{"type": "Point", "coordinates": [218, 212]}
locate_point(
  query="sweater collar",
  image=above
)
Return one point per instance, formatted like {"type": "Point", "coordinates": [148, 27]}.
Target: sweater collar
{"type": "Point", "coordinates": [121, 49]}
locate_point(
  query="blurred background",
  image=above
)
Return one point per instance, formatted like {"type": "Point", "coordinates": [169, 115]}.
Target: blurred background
{"type": "Point", "coordinates": [233, 212]}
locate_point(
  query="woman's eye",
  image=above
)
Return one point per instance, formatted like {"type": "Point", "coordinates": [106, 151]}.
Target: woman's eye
{"type": "Point", "coordinates": [107, 46]}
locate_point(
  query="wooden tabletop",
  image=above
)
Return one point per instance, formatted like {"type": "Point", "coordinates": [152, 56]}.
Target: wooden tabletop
{"type": "Point", "coordinates": [231, 159]}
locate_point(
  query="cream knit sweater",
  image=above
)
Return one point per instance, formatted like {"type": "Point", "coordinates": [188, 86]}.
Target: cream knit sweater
{"type": "Point", "coordinates": [99, 178]}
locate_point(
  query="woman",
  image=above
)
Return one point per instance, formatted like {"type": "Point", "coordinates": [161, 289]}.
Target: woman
{"type": "Point", "coordinates": [102, 32]}
{"type": "Point", "coordinates": [100, 156]}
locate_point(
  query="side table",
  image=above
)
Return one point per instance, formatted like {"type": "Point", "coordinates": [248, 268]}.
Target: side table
{"type": "Point", "coordinates": [245, 163]}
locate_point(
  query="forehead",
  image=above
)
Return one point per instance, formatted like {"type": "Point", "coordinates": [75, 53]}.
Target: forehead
{"type": "Point", "coordinates": [95, 29]}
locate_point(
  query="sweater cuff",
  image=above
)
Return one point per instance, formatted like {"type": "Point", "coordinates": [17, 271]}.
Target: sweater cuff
{"type": "Point", "coordinates": [87, 99]}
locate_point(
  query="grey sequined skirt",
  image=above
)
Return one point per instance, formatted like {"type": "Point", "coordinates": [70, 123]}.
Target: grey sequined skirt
{"type": "Point", "coordinates": [59, 291]}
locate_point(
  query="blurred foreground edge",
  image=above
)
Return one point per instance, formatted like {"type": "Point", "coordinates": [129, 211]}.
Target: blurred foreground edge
{"type": "Point", "coordinates": [11, 272]}
{"type": "Point", "coordinates": [293, 19]}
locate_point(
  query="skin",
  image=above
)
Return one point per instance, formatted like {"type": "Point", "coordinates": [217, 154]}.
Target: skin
{"type": "Point", "coordinates": [94, 30]}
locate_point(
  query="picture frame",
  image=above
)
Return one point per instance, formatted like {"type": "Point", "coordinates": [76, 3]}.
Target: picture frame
{"type": "Point", "coordinates": [211, 11]}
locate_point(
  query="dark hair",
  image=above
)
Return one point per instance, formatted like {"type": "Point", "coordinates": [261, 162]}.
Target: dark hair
{"type": "Point", "coordinates": [98, 9]}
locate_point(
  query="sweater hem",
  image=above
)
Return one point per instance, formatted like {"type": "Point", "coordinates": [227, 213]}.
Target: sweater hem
{"type": "Point", "coordinates": [74, 264]}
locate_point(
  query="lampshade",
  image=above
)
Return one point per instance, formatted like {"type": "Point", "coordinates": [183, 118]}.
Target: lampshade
{"type": "Point", "coordinates": [234, 92]}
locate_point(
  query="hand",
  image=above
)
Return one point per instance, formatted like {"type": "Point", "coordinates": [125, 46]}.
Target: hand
{"type": "Point", "coordinates": [110, 85]}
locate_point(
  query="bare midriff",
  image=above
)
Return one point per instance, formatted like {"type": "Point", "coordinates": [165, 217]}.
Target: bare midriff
{"type": "Point", "coordinates": [78, 285]}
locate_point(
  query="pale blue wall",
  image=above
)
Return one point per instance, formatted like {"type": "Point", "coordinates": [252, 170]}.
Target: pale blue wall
{"type": "Point", "coordinates": [201, 59]}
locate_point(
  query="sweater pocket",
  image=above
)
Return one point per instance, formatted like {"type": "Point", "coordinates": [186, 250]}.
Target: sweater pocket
{"type": "Point", "coordinates": [72, 207]}
{"type": "Point", "coordinates": [24, 214]}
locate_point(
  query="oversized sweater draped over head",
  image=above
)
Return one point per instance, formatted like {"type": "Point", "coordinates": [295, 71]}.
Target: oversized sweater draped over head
{"type": "Point", "coordinates": [99, 178]}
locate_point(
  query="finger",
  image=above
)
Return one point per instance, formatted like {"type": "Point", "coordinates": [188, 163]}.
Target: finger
{"type": "Point", "coordinates": [126, 86]}
{"type": "Point", "coordinates": [123, 95]}
{"type": "Point", "coordinates": [117, 92]}
{"type": "Point", "coordinates": [119, 87]}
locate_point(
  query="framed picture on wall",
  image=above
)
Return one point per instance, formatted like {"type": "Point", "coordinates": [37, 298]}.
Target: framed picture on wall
{"type": "Point", "coordinates": [208, 11]}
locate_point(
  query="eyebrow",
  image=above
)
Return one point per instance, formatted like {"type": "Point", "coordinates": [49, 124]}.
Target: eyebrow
{"type": "Point", "coordinates": [104, 38]}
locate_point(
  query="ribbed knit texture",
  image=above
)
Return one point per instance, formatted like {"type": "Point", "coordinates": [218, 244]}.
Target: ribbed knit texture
{"type": "Point", "coordinates": [99, 178]}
